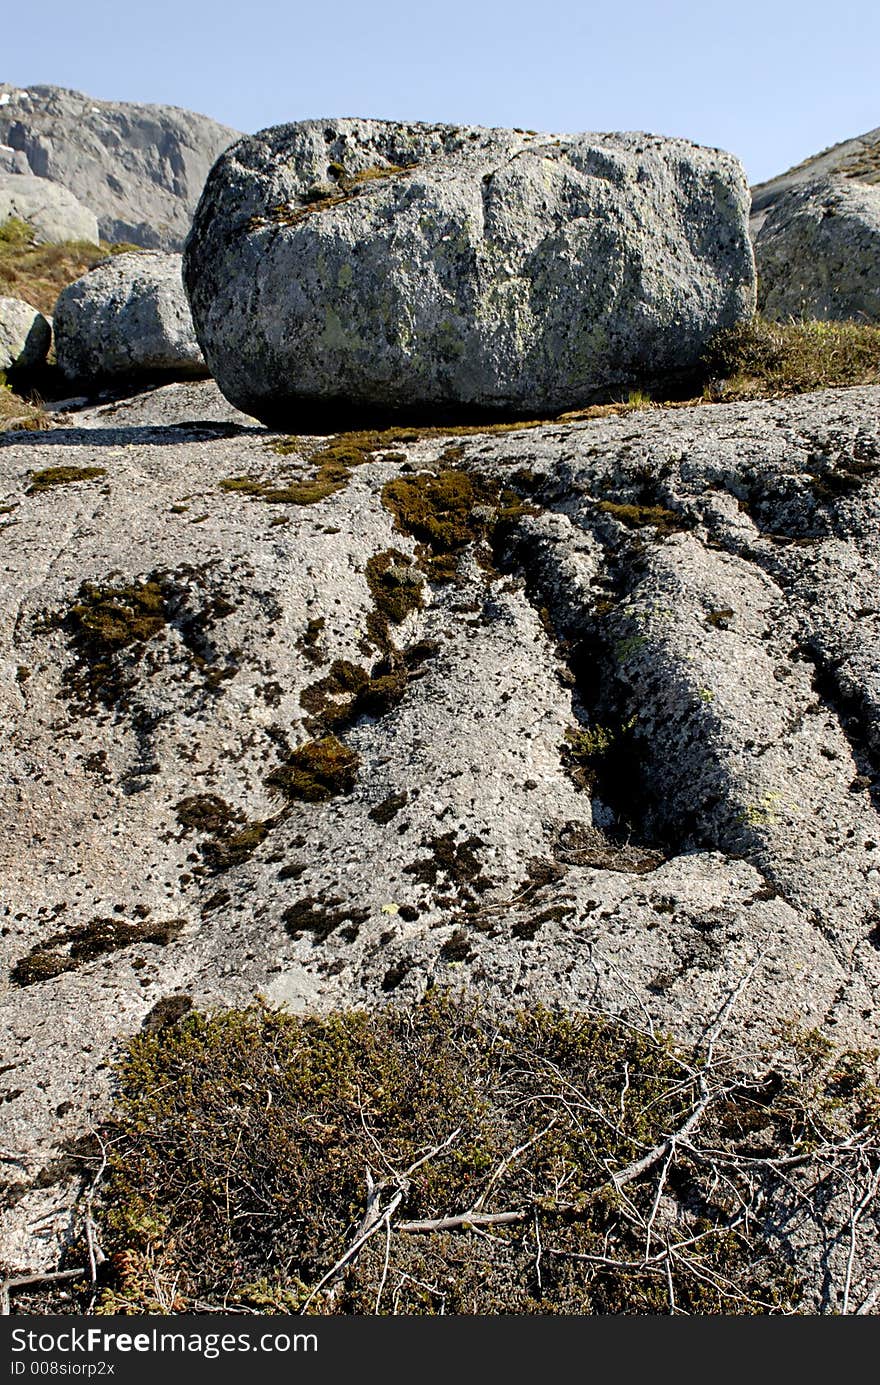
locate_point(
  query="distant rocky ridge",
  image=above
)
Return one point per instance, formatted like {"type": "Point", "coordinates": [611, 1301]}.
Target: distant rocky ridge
{"type": "Point", "coordinates": [857, 159]}
{"type": "Point", "coordinates": [140, 168]}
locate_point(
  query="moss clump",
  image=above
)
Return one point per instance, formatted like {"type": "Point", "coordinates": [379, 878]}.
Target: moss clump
{"type": "Point", "coordinates": [65, 951]}
{"type": "Point", "coordinates": [230, 839]}
{"type": "Point", "coordinates": [590, 753]}
{"type": "Point", "coordinates": [396, 588]}
{"type": "Point", "coordinates": [238, 1146]}
{"type": "Point", "coordinates": [62, 476]}
{"type": "Point", "coordinates": [665, 521]}
{"type": "Point", "coordinates": [760, 359]}
{"type": "Point", "coordinates": [349, 692]}
{"type": "Point", "coordinates": [447, 511]}
{"type": "Point", "coordinates": [319, 770]}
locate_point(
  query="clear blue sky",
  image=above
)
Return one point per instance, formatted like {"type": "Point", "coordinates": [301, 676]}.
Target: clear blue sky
{"type": "Point", "coordinates": [771, 80]}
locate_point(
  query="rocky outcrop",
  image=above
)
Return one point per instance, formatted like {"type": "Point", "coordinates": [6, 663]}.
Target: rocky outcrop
{"type": "Point", "coordinates": [125, 319]}
{"type": "Point", "coordinates": [52, 211]}
{"type": "Point", "coordinates": [584, 713]}
{"type": "Point", "coordinates": [13, 160]}
{"type": "Point", "coordinates": [25, 335]}
{"type": "Point", "coordinates": [856, 159]}
{"type": "Point", "coordinates": [818, 253]}
{"type": "Point", "coordinates": [357, 262]}
{"type": "Point", "coordinates": [140, 168]}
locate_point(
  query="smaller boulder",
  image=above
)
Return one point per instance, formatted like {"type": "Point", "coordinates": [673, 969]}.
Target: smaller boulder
{"type": "Point", "coordinates": [128, 318]}
{"type": "Point", "coordinates": [52, 212]}
{"type": "Point", "coordinates": [25, 335]}
{"type": "Point", "coordinates": [818, 253]}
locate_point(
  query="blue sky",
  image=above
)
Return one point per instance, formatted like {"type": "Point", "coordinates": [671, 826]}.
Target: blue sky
{"type": "Point", "coordinates": [772, 81]}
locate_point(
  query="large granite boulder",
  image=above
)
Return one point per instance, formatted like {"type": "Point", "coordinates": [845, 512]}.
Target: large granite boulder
{"type": "Point", "coordinates": [50, 210]}
{"type": "Point", "coordinates": [140, 167]}
{"type": "Point", "coordinates": [25, 335]}
{"type": "Point", "coordinates": [127, 318]}
{"type": "Point", "coordinates": [373, 263]}
{"type": "Point", "coordinates": [818, 253]}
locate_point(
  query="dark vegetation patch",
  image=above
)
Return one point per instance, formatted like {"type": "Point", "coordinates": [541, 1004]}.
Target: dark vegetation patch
{"type": "Point", "coordinates": [349, 692]}
{"type": "Point", "coordinates": [62, 476]}
{"type": "Point", "coordinates": [455, 861]}
{"type": "Point", "coordinates": [73, 947]}
{"type": "Point", "coordinates": [448, 510]}
{"type": "Point", "coordinates": [111, 625]}
{"type": "Point", "coordinates": [322, 196]}
{"type": "Point", "coordinates": [664, 520]}
{"type": "Point", "coordinates": [760, 359]}
{"type": "Point", "coordinates": [319, 770]}
{"type": "Point", "coordinates": [169, 1010]}
{"type": "Point", "coordinates": [395, 585]}
{"type": "Point", "coordinates": [321, 917]}
{"type": "Point", "coordinates": [228, 837]}
{"type": "Point", "coordinates": [580, 845]}
{"type": "Point", "coordinates": [389, 808]}
{"type": "Point", "coordinates": [443, 1160]}
{"type": "Point", "coordinates": [528, 928]}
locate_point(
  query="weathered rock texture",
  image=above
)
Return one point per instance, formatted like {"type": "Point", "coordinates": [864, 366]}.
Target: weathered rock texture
{"type": "Point", "coordinates": [13, 160]}
{"type": "Point", "coordinates": [53, 212]}
{"type": "Point", "coordinates": [126, 318]}
{"type": "Point", "coordinates": [856, 159]}
{"type": "Point", "coordinates": [25, 335]}
{"type": "Point", "coordinates": [818, 253]}
{"type": "Point", "coordinates": [140, 168]}
{"type": "Point", "coordinates": [373, 263]}
{"type": "Point", "coordinates": [618, 750]}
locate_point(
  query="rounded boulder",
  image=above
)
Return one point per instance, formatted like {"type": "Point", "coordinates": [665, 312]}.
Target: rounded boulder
{"type": "Point", "coordinates": [372, 263]}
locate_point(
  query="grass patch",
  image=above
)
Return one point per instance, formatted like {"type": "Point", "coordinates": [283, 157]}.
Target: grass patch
{"type": "Point", "coordinates": [522, 1165]}
{"type": "Point", "coordinates": [38, 273]}
{"type": "Point", "coordinates": [760, 359]}
{"type": "Point", "coordinates": [17, 415]}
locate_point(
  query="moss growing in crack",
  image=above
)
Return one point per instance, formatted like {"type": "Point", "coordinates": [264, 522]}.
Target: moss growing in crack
{"type": "Point", "coordinates": [349, 692]}
{"type": "Point", "coordinates": [658, 517]}
{"type": "Point", "coordinates": [319, 770]}
{"type": "Point", "coordinates": [448, 510]}
{"type": "Point", "coordinates": [332, 465]}
{"type": "Point", "coordinates": [54, 476]}
{"type": "Point", "coordinates": [592, 752]}
{"type": "Point", "coordinates": [238, 1142]}
{"type": "Point", "coordinates": [72, 948]}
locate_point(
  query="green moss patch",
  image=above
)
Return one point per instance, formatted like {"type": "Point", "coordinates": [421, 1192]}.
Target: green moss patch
{"type": "Point", "coordinates": [67, 950]}
{"type": "Point", "coordinates": [448, 510]}
{"type": "Point", "coordinates": [445, 1161]}
{"type": "Point", "coordinates": [62, 476]}
{"type": "Point", "coordinates": [321, 769]}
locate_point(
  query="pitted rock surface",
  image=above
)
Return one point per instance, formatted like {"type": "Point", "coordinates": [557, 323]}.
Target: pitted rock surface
{"type": "Point", "coordinates": [380, 264]}
{"type": "Point", "coordinates": [699, 585]}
